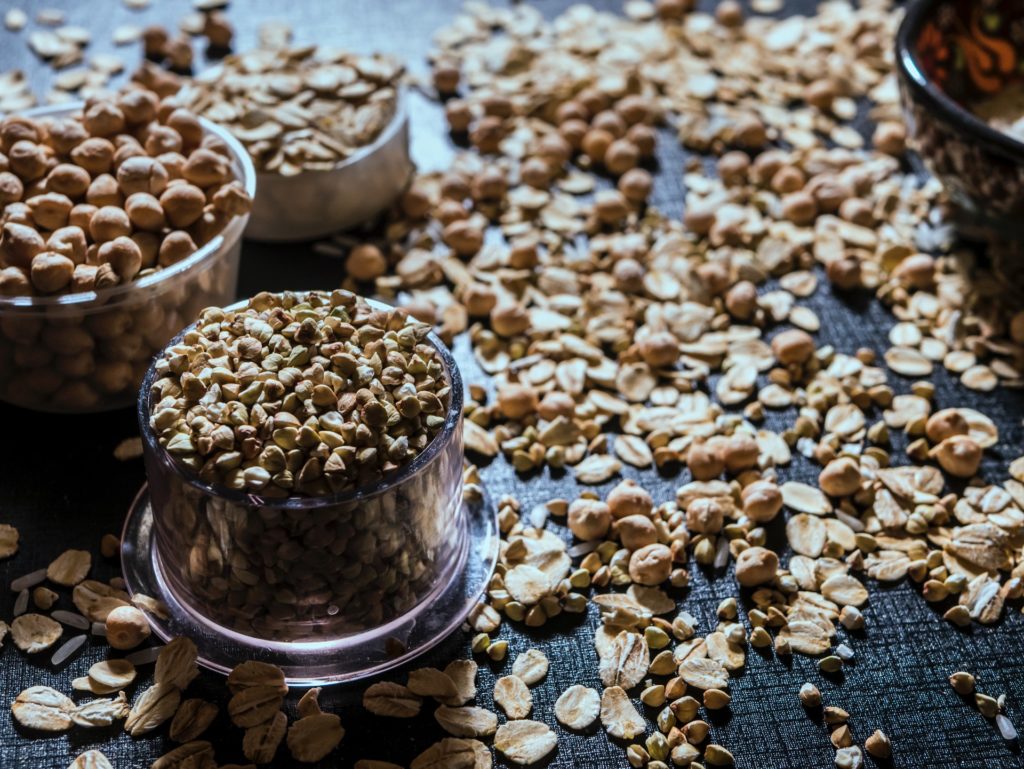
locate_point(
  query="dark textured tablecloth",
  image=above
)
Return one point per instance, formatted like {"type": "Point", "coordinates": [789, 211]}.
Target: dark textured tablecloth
{"type": "Point", "coordinates": [60, 485]}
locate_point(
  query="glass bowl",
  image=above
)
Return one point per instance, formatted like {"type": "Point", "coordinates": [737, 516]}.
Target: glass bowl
{"type": "Point", "coordinates": [329, 588]}
{"type": "Point", "coordinates": [88, 351]}
{"type": "Point", "coordinates": [313, 204]}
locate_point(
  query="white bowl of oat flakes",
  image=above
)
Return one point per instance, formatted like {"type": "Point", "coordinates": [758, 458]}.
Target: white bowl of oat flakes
{"type": "Point", "coordinates": [326, 129]}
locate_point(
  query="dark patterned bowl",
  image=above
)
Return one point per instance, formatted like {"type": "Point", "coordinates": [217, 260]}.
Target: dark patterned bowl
{"type": "Point", "coordinates": [953, 55]}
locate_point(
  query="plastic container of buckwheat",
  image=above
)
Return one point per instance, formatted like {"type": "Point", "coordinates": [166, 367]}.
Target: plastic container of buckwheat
{"type": "Point", "coordinates": [88, 351]}
{"type": "Point", "coordinates": [330, 588]}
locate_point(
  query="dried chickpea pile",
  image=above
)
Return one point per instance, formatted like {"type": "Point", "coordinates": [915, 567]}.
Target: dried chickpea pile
{"type": "Point", "coordinates": [102, 198]}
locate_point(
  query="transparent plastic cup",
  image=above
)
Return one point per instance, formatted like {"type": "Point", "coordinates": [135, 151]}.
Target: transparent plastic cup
{"type": "Point", "coordinates": [88, 351]}
{"type": "Point", "coordinates": [329, 588]}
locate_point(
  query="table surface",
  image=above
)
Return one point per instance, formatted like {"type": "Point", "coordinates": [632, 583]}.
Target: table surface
{"type": "Point", "coordinates": [61, 486]}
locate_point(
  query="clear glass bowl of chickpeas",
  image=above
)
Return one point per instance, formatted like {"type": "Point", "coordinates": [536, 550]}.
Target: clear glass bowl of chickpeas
{"type": "Point", "coordinates": [120, 222]}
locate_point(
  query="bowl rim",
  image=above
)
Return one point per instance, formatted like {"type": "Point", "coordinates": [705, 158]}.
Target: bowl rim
{"type": "Point", "coordinates": [394, 125]}
{"type": "Point", "coordinates": [420, 463]}
{"type": "Point", "coordinates": [225, 238]}
{"type": "Point", "coordinates": [933, 97]}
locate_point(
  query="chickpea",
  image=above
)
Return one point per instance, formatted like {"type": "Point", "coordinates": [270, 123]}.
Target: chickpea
{"type": "Point", "coordinates": [19, 243]}
{"type": "Point", "coordinates": [144, 212]}
{"type": "Point", "coordinates": [522, 254]}
{"type": "Point", "coordinates": [218, 30]}
{"type": "Point", "coordinates": [740, 452]}
{"type": "Point", "coordinates": [66, 134]}
{"type": "Point", "coordinates": [858, 211]}
{"type": "Point", "coordinates": [556, 404]}
{"type": "Point", "coordinates": [232, 200]}
{"type": "Point", "coordinates": [68, 179]}
{"type": "Point", "coordinates": [490, 184]}
{"type": "Point", "coordinates": [206, 227]}
{"type": "Point", "coordinates": [750, 133]}
{"type": "Point", "coordinates": [610, 206]}
{"type": "Point", "coordinates": [821, 93]}
{"type": "Point", "coordinates": [11, 188]}
{"type": "Point", "coordinates": [621, 156]}
{"type": "Point", "coordinates": [183, 204]}
{"type": "Point", "coordinates": [704, 462]}
{"type": "Point", "coordinates": [829, 192]}
{"type": "Point", "coordinates": [890, 138]}
{"type": "Point", "coordinates": [650, 565]}
{"type": "Point", "coordinates": [160, 139]}
{"type": "Point", "coordinates": [81, 215]}
{"type": "Point", "coordinates": [1017, 327]}
{"type": "Point", "coordinates": [536, 173]}
{"type": "Point", "coordinates": [589, 519]}
{"type": "Point", "coordinates": [756, 566]}
{"type": "Point", "coordinates": [635, 185]}
{"type": "Point", "coordinates": [149, 246]}
{"type": "Point", "coordinates": [659, 349]}
{"type": "Point", "coordinates": [509, 318]}
{"type": "Point", "coordinates": [741, 300]}
{"type": "Point", "coordinates": [799, 208]}
{"type": "Point", "coordinates": [644, 138]}
{"type": "Point", "coordinates": [705, 516]}
{"type": "Point", "coordinates": [138, 106]}
{"type": "Point", "coordinates": [16, 128]}
{"type": "Point", "coordinates": [84, 277]}
{"type": "Point", "coordinates": [95, 155]}
{"type": "Point", "coordinates": [699, 218]}
{"type": "Point", "coordinates": [486, 135]}
{"type": "Point", "coordinates": [844, 273]}
{"type": "Point", "coordinates": [127, 627]}
{"type": "Point", "coordinates": [555, 150]}
{"type": "Point", "coordinates": [478, 300]}
{"type": "Point", "coordinates": [173, 163]}
{"type": "Point", "coordinates": [68, 241]}
{"type": "Point", "coordinates": [109, 222]}
{"type": "Point", "coordinates": [733, 168]}
{"type": "Point", "coordinates": [14, 282]}
{"type": "Point", "coordinates": [945, 424]}
{"type": "Point", "coordinates": [788, 179]}
{"type": "Point", "coordinates": [517, 401]}
{"type": "Point", "coordinates": [103, 191]}
{"type": "Point", "coordinates": [629, 498]}
{"type": "Point", "coordinates": [365, 262]}
{"type": "Point", "coordinates": [124, 255]}
{"type": "Point", "coordinates": [205, 168]}
{"type": "Point", "coordinates": [593, 100]}
{"type": "Point", "coordinates": [154, 42]}
{"type": "Point", "coordinates": [498, 105]}
{"type": "Point", "coordinates": [636, 531]}
{"type": "Point", "coordinates": [729, 13]}
{"type": "Point", "coordinates": [142, 174]}
{"type": "Point", "coordinates": [958, 455]}
{"type": "Point", "coordinates": [51, 272]}
{"type": "Point", "coordinates": [188, 127]}
{"type": "Point", "coordinates": [176, 246]}
{"type": "Point", "coordinates": [571, 110]}
{"type": "Point", "coordinates": [446, 78]}
{"type": "Point", "coordinates": [595, 144]}
{"type": "Point", "coordinates": [574, 131]}
{"type": "Point", "coordinates": [458, 114]}
{"type": "Point", "coordinates": [916, 271]}
{"type": "Point", "coordinates": [179, 54]}
{"type": "Point", "coordinates": [793, 347]}
{"type": "Point", "coordinates": [28, 160]}
{"type": "Point", "coordinates": [673, 10]}
{"type": "Point", "coordinates": [634, 109]}
{"type": "Point", "coordinates": [629, 275]}
{"type": "Point", "coordinates": [840, 477]}
{"type": "Point", "coordinates": [50, 211]}
{"type": "Point", "coordinates": [762, 501]}
{"type": "Point", "coordinates": [714, 276]}
{"type": "Point", "coordinates": [464, 237]}
{"type": "Point", "coordinates": [103, 119]}
{"type": "Point", "coordinates": [18, 213]}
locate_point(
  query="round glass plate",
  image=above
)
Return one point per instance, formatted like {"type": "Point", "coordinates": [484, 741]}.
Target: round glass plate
{"type": "Point", "coordinates": [352, 657]}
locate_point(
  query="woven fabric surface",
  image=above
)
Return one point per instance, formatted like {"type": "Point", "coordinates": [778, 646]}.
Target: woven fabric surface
{"type": "Point", "coordinates": [61, 487]}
